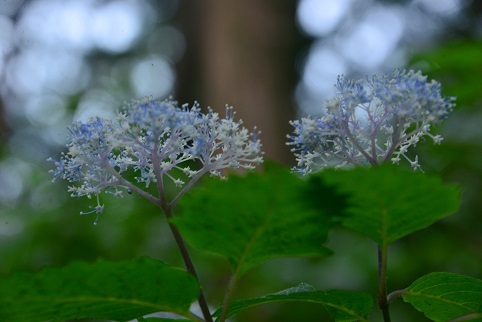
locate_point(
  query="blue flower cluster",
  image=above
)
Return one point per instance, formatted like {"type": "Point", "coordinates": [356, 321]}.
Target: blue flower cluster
{"type": "Point", "coordinates": [154, 140]}
{"type": "Point", "coordinates": [371, 121]}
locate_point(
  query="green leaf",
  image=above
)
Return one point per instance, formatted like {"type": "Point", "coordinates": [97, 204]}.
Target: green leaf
{"type": "Point", "coordinates": [117, 291]}
{"type": "Point", "coordinates": [446, 296]}
{"type": "Point", "coordinates": [387, 202]}
{"type": "Point", "coordinates": [154, 319]}
{"type": "Point", "coordinates": [453, 64]}
{"type": "Point", "coordinates": [341, 305]}
{"type": "Point", "coordinates": [254, 218]}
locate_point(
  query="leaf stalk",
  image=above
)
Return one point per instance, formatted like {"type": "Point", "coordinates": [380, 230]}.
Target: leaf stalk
{"type": "Point", "coordinates": [382, 282]}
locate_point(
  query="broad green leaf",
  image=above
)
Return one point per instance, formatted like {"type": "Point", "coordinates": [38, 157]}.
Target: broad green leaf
{"type": "Point", "coordinates": [154, 319]}
{"type": "Point", "coordinates": [341, 305]}
{"type": "Point", "coordinates": [119, 291]}
{"type": "Point", "coordinates": [387, 203]}
{"type": "Point", "coordinates": [446, 296]}
{"type": "Point", "coordinates": [250, 219]}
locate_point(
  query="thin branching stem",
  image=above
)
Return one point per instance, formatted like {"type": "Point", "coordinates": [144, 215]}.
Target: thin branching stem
{"type": "Point", "coordinates": [131, 186]}
{"type": "Point", "coordinates": [350, 136]}
{"type": "Point", "coordinates": [201, 172]}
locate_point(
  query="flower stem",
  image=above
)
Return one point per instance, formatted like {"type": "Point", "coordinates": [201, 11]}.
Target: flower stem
{"type": "Point", "coordinates": [181, 245]}
{"type": "Point", "coordinates": [382, 282]}
{"type": "Point", "coordinates": [227, 297]}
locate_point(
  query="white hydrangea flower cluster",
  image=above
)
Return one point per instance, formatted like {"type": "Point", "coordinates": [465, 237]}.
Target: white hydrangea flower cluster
{"type": "Point", "coordinates": [152, 140]}
{"type": "Point", "coordinates": [371, 121]}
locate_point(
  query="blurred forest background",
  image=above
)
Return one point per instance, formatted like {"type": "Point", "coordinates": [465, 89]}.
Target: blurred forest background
{"type": "Point", "coordinates": [274, 60]}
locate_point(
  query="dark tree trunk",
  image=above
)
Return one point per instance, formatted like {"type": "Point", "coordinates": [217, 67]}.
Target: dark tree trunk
{"type": "Point", "coordinates": [242, 53]}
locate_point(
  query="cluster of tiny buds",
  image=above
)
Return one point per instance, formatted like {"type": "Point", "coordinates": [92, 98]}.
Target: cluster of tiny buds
{"type": "Point", "coordinates": [371, 121]}
{"type": "Point", "coordinates": [150, 141]}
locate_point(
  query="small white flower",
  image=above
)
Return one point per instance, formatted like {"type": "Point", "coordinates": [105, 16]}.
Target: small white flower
{"type": "Point", "coordinates": [414, 164]}
{"type": "Point", "coordinates": [178, 182]}
{"type": "Point", "coordinates": [437, 139]}
{"type": "Point", "coordinates": [396, 160]}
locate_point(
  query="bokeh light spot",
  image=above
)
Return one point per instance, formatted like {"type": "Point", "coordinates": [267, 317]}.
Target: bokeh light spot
{"type": "Point", "coordinates": [153, 76]}
{"type": "Point", "coordinates": [321, 69]}
{"type": "Point", "coordinates": [6, 36]}
{"type": "Point", "coordinates": [95, 102]}
{"type": "Point", "coordinates": [116, 25]}
{"type": "Point", "coordinates": [373, 39]}
{"type": "Point", "coordinates": [319, 17]}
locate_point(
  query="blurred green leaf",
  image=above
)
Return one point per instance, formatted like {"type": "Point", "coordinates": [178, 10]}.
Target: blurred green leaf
{"type": "Point", "coordinates": [457, 66]}
{"type": "Point", "coordinates": [117, 291]}
{"type": "Point", "coordinates": [341, 305]}
{"type": "Point", "coordinates": [151, 319]}
{"type": "Point", "coordinates": [387, 202]}
{"type": "Point", "coordinates": [446, 296]}
{"type": "Point", "coordinates": [254, 218]}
